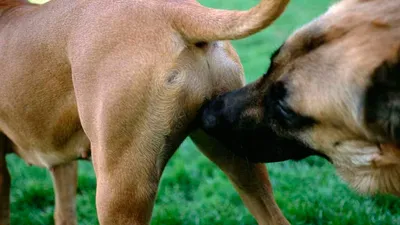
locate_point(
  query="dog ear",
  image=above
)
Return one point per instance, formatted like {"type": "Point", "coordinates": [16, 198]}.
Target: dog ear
{"type": "Point", "coordinates": [382, 101]}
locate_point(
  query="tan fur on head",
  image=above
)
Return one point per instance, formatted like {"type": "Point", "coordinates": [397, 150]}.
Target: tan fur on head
{"type": "Point", "coordinates": [332, 89]}
{"type": "Point", "coordinates": [328, 67]}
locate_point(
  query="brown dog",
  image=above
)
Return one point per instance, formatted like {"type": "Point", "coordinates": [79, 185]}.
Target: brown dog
{"type": "Point", "coordinates": [123, 80]}
{"type": "Point", "coordinates": [333, 89]}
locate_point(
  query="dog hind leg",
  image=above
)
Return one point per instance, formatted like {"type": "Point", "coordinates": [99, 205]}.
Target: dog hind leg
{"type": "Point", "coordinates": [65, 183]}
{"type": "Point", "coordinates": [250, 180]}
{"type": "Point", "coordinates": [128, 171]}
{"type": "Point", "coordinates": [126, 191]}
{"type": "Point", "coordinates": [4, 183]}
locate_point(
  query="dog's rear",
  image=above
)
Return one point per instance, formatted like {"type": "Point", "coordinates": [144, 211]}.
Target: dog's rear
{"type": "Point", "coordinates": [128, 76]}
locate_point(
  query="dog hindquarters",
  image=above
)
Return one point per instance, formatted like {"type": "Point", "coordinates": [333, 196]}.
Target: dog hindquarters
{"type": "Point", "coordinates": [250, 180]}
{"type": "Point", "coordinates": [65, 183]}
{"type": "Point", "coordinates": [4, 183]}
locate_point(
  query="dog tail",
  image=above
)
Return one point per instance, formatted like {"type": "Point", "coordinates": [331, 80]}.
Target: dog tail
{"type": "Point", "coordinates": [11, 3]}
{"type": "Point", "coordinates": [200, 23]}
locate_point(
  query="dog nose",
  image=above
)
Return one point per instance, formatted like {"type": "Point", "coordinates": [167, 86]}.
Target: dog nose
{"type": "Point", "coordinates": [209, 121]}
{"type": "Point", "coordinates": [212, 113]}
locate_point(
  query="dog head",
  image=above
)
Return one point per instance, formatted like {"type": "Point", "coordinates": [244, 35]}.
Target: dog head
{"type": "Point", "coordinates": [332, 89]}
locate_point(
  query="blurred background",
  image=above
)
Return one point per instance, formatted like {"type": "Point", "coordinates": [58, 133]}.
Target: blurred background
{"type": "Point", "coordinates": [194, 191]}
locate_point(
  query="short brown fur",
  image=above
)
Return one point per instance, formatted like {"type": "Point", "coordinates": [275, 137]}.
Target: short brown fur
{"type": "Point", "coordinates": [328, 83]}
{"type": "Point", "coordinates": [124, 80]}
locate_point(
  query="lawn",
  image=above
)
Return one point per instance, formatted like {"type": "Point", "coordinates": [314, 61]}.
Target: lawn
{"type": "Point", "coordinates": [194, 191]}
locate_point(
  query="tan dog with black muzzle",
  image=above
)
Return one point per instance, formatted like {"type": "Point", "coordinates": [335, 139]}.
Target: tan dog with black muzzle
{"type": "Point", "coordinates": [333, 89]}
{"type": "Point", "coordinates": [124, 80]}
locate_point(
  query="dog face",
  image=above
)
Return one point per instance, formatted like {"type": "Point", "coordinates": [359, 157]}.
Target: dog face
{"type": "Point", "coordinates": [333, 89]}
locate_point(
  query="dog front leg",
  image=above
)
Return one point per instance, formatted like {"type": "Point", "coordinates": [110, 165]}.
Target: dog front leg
{"type": "Point", "coordinates": [250, 180]}
{"type": "Point", "coordinates": [5, 181]}
{"type": "Point", "coordinates": [65, 183]}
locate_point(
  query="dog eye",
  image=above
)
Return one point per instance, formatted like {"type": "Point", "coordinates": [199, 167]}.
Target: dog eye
{"type": "Point", "coordinates": [281, 112]}
{"type": "Point", "coordinates": [284, 110]}
{"type": "Point", "coordinates": [289, 119]}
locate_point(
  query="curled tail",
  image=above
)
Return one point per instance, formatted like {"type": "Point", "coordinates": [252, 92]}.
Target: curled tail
{"type": "Point", "coordinates": [204, 24]}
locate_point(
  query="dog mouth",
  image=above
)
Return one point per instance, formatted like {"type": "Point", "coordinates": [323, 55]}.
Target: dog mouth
{"type": "Point", "coordinates": [261, 145]}
{"type": "Point", "coordinates": [255, 142]}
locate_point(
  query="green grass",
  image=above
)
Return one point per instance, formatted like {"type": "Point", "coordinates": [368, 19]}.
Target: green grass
{"type": "Point", "coordinates": [194, 191]}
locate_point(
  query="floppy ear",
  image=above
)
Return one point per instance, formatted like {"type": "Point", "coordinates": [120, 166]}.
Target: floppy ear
{"type": "Point", "coordinates": [382, 101]}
